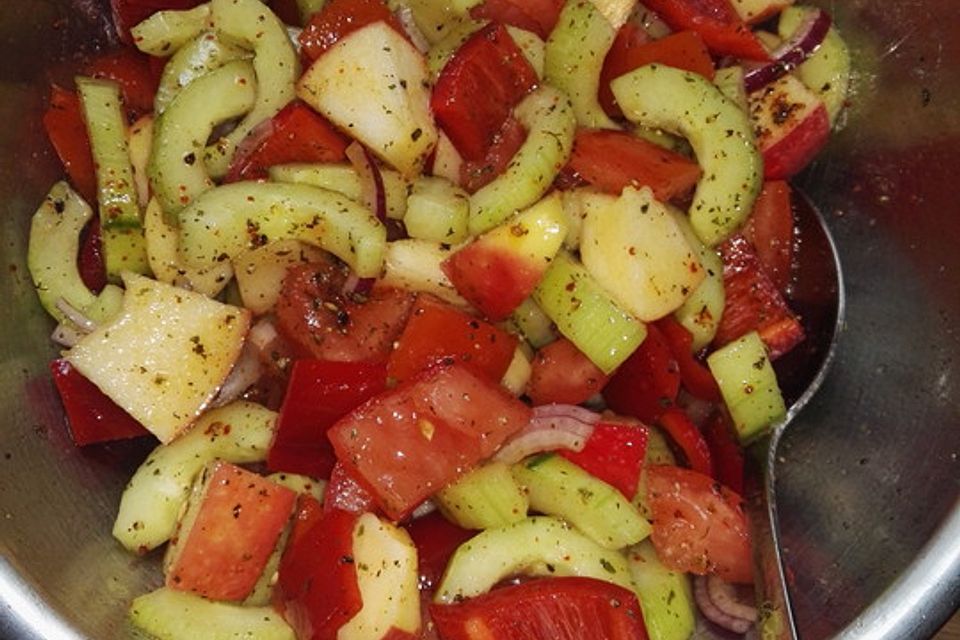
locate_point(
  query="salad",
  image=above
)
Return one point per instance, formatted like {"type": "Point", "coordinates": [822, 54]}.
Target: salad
{"type": "Point", "coordinates": [451, 319]}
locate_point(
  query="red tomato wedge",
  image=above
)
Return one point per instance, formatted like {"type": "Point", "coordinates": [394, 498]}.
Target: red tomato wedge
{"type": "Point", "coordinates": [614, 453]}
{"type": "Point", "coordinates": [478, 89]}
{"type": "Point", "coordinates": [698, 524]}
{"type": "Point", "coordinates": [436, 539]}
{"type": "Point", "coordinates": [409, 442]}
{"type": "Point", "coordinates": [633, 48]}
{"type": "Point", "coordinates": [438, 333]}
{"type": "Point", "coordinates": [135, 74]}
{"type": "Point", "coordinates": [613, 160]}
{"type": "Point", "coordinates": [319, 393]}
{"type": "Point", "coordinates": [770, 230]}
{"type": "Point", "coordinates": [344, 492]}
{"type": "Point", "coordinates": [694, 375]}
{"type": "Point", "coordinates": [687, 436]}
{"type": "Point", "coordinates": [562, 374]}
{"type": "Point", "coordinates": [320, 322]}
{"type": "Point", "coordinates": [240, 519]}
{"type": "Point", "coordinates": [317, 585]}
{"type": "Point", "coordinates": [91, 416]}
{"type": "Point", "coordinates": [296, 134]}
{"type": "Point", "coordinates": [476, 174]}
{"type": "Point", "coordinates": [67, 131]}
{"type": "Point", "coordinates": [570, 608]}
{"type": "Point", "coordinates": [93, 270]}
{"type": "Point", "coordinates": [754, 302]}
{"type": "Point", "coordinates": [128, 13]}
{"type": "Point", "coordinates": [538, 16]}
{"type": "Point", "coordinates": [647, 383]}
{"type": "Point", "coordinates": [339, 18]}
{"type": "Point", "coordinates": [717, 23]}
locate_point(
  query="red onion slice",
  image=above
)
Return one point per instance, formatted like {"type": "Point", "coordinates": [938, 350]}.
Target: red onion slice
{"type": "Point", "coordinates": [371, 181]}
{"type": "Point", "coordinates": [724, 596]}
{"type": "Point", "coordinates": [405, 15]}
{"type": "Point", "coordinates": [552, 427]}
{"type": "Point", "coordinates": [714, 611]}
{"type": "Point", "coordinates": [800, 46]}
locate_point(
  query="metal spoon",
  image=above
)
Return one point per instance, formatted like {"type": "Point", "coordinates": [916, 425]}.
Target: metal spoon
{"type": "Point", "coordinates": [818, 296]}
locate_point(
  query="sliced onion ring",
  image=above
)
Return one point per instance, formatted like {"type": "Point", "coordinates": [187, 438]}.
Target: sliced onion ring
{"type": "Point", "coordinates": [713, 611]}
{"type": "Point", "coordinates": [371, 181]}
{"type": "Point", "coordinates": [800, 46]}
{"type": "Point", "coordinates": [724, 596]}
{"type": "Point", "coordinates": [552, 427]}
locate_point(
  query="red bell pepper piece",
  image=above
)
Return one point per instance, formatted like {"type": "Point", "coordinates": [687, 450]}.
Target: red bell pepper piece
{"type": "Point", "coordinates": [688, 437]}
{"type": "Point", "coordinates": [694, 375]}
{"type": "Point", "coordinates": [754, 302]}
{"type": "Point", "coordinates": [770, 230]}
{"type": "Point", "coordinates": [478, 89]}
{"type": "Point", "coordinates": [632, 48]}
{"type": "Point", "coordinates": [538, 16]}
{"type": "Point", "coordinates": [91, 416]}
{"type": "Point", "coordinates": [613, 160]}
{"type": "Point", "coordinates": [346, 493]}
{"type": "Point", "coordinates": [436, 539]}
{"type": "Point", "coordinates": [614, 453]}
{"type": "Point", "coordinates": [319, 393]}
{"type": "Point", "coordinates": [717, 23]}
{"type": "Point", "coordinates": [647, 383]}
{"type": "Point", "coordinates": [67, 131]}
{"type": "Point", "coordinates": [296, 134]}
{"type": "Point", "coordinates": [476, 174]}
{"type": "Point", "coordinates": [93, 270]}
{"type": "Point", "coordinates": [128, 13]}
{"type": "Point", "coordinates": [339, 18]}
{"type": "Point", "coordinates": [725, 451]}
{"type": "Point", "coordinates": [135, 74]}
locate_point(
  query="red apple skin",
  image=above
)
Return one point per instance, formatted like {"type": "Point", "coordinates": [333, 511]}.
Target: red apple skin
{"type": "Point", "coordinates": [795, 151]}
{"type": "Point", "coordinates": [493, 278]}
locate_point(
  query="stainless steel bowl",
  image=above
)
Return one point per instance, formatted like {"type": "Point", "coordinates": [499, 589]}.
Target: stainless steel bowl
{"type": "Point", "coordinates": [869, 495]}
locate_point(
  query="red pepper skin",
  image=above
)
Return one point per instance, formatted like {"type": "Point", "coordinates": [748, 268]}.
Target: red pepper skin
{"type": "Point", "coordinates": [688, 437]}
{"type": "Point", "coordinates": [63, 122]}
{"type": "Point", "coordinates": [717, 23]}
{"type": "Point", "coordinates": [436, 539]}
{"type": "Point", "coordinates": [614, 453]}
{"type": "Point", "coordinates": [770, 230]}
{"type": "Point", "coordinates": [319, 393]}
{"type": "Point", "coordinates": [538, 16]}
{"type": "Point", "coordinates": [725, 451]}
{"type": "Point", "coordinates": [133, 71]}
{"type": "Point", "coordinates": [93, 270]}
{"type": "Point", "coordinates": [694, 375]}
{"type": "Point", "coordinates": [647, 382]}
{"type": "Point", "coordinates": [476, 174]}
{"type": "Point", "coordinates": [92, 417]}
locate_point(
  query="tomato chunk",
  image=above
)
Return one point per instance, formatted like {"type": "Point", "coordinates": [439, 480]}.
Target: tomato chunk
{"type": "Point", "coordinates": [321, 322]}
{"type": "Point", "coordinates": [538, 16]}
{"type": "Point", "coordinates": [632, 48]}
{"type": "Point", "coordinates": [698, 524]}
{"type": "Point", "coordinates": [128, 13]}
{"type": "Point", "coordinates": [240, 519]}
{"type": "Point", "coordinates": [67, 131]}
{"type": "Point", "coordinates": [694, 375]}
{"type": "Point", "coordinates": [409, 442]}
{"type": "Point", "coordinates": [716, 21]}
{"type": "Point", "coordinates": [770, 230]}
{"type": "Point", "coordinates": [319, 393]}
{"type": "Point", "coordinates": [345, 492]}
{"type": "Point", "coordinates": [317, 584]}
{"type": "Point", "coordinates": [614, 453]}
{"type": "Point", "coordinates": [478, 89]}
{"type": "Point", "coordinates": [438, 333]}
{"type": "Point", "coordinates": [561, 373]}
{"type": "Point", "coordinates": [647, 383]}
{"type": "Point", "coordinates": [571, 608]}
{"type": "Point", "coordinates": [613, 160]}
{"type": "Point", "coordinates": [91, 416]}
{"type": "Point", "coordinates": [90, 262]}
{"type": "Point", "coordinates": [135, 74]}
{"type": "Point", "coordinates": [339, 18]}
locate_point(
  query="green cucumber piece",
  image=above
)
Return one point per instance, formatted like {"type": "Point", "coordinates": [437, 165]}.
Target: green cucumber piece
{"type": "Point", "coordinates": [166, 614]}
{"type": "Point", "coordinates": [177, 172]}
{"type": "Point", "coordinates": [534, 49]}
{"type": "Point", "coordinates": [233, 218]}
{"type": "Point", "coordinates": [748, 385]}
{"type": "Point", "coordinates": [701, 312]}
{"type": "Point", "coordinates": [308, 8]}
{"type": "Point", "coordinates": [437, 210]}
{"type": "Point", "coordinates": [666, 597]}
{"type": "Point", "coordinates": [730, 82]}
{"type": "Point", "coordinates": [252, 25]}
{"type": "Point", "coordinates": [343, 178]}
{"type": "Point", "coordinates": [574, 56]}
{"type": "Point", "coordinates": [240, 432]}
{"type": "Point", "coordinates": [558, 487]}
{"type": "Point", "coordinates": [193, 60]}
{"type": "Point", "coordinates": [485, 498]}
{"type": "Point", "coordinates": [165, 32]}
{"type": "Point", "coordinates": [442, 50]}
{"type": "Point", "coordinates": [436, 19]}
{"type": "Point", "coordinates": [300, 483]}
{"type": "Point", "coordinates": [719, 132]}
{"type": "Point", "coordinates": [534, 324]}
{"type": "Point", "coordinates": [586, 314]}
{"type": "Point", "coordinates": [827, 71]}
{"type": "Point", "coordinates": [548, 117]}
{"type": "Point", "coordinates": [658, 452]}
{"type": "Point", "coordinates": [539, 546]}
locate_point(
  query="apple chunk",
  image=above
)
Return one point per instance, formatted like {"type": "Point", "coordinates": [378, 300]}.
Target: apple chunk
{"type": "Point", "coordinates": [635, 248]}
{"type": "Point", "coordinates": [755, 11]}
{"type": "Point", "coordinates": [374, 85]}
{"type": "Point", "coordinates": [166, 354]}
{"type": "Point", "coordinates": [791, 125]}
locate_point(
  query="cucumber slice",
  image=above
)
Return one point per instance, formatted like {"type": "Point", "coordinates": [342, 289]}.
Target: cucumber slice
{"type": "Point", "coordinates": [702, 311]}
{"type": "Point", "coordinates": [486, 498]}
{"type": "Point", "coordinates": [437, 210]}
{"type": "Point", "coordinates": [177, 171]}
{"type": "Point", "coordinates": [165, 32]}
{"type": "Point", "coordinates": [166, 614]}
{"type": "Point", "coordinates": [558, 487]}
{"type": "Point", "coordinates": [233, 218]}
{"type": "Point", "coordinates": [343, 178]}
{"type": "Point", "coordinates": [534, 324]}
{"type": "Point", "coordinates": [666, 596]}
{"type": "Point", "coordinates": [719, 132]}
{"type": "Point", "coordinates": [200, 56]}
{"type": "Point", "coordinates": [539, 546]}
{"type": "Point", "coordinates": [748, 385]}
